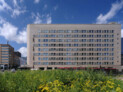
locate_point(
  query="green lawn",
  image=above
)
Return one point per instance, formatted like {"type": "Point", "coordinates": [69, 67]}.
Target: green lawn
{"type": "Point", "coordinates": [59, 81]}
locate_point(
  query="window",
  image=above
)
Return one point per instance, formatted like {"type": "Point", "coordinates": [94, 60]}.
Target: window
{"type": "Point", "coordinates": [83, 31]}
{"type": "Point", "coordinates": [39, 49]}
{"type": "Point", "coordinates": [45, 40]}
{"type": "Point", "coordinates": [75, 40]}
{"type": "Point", "coordinates": [112, 31]}
{"type": "Point", "coordinates": [60, 31]}
{"type": "Point", "coordinates": [112, 49]}
{"type": "Point", "coordinates": [68, 54]}
{"type": "Point", "coordinates": [68, 35]}
{"type": "Point", "coordinates": [75, 35]}
{"type": "Point", "coordinates": [52, 31]}
{"type": "Point", "coordinates": [60, 35]}
{"type": "Point", "coordinates": [39, 58]}
{"type": "Point", "coordinates": [45, 35]}
{"type": "Point", "coordinates": [68, 40]}
{"type": "Point", "coordinates": [68, 49]}
{"type": "Point", "coordinates": [45, 58]}
{"type": "Point", "coordinates": [68, 45]}
{"type": "Point", "coordinates": [45, 54]}
{"type": "Point", "coordinates": [83, 40]}
{"type": "Point", "coordinates": [75, 49]}
{"type": "Point", "coordinates": [69, 31]}
{"type": "Point", "coordinates": [75, 31]}
{"type": "Point", "coordinates": [60, 40]}
{"type": "Point", "coordinates": [53, 40]}
{"type": "Point", "coordinates": [45, 49]}
{"type": "Point", "coordinates": [5, 57]}
{"type": "Point", "coordinates": [45, 45]}
{"type": "Point", "coordinates": [4, 54]}
{"type": "Point", "coordinates": [44, 31]}
{"type": "Point", "coordinates": [39, 45]}
{"type": "Point", "coordinates": [52, 35]}
{"type": "Point", "coordinates": [4, 46]}
{"type": "Point", "coordinates": [39, 40]}
{"type": "Point", "coordinates": [76, 45]}
{"type": "Point", "coordinates": [4, 51]}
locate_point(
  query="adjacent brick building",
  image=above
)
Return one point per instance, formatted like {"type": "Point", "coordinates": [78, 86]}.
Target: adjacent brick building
{"type": "Point", "coordinates": [6, 55]}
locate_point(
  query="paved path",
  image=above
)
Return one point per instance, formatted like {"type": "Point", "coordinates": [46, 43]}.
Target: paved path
{"type": "Point", "coordinates": [120, 78]}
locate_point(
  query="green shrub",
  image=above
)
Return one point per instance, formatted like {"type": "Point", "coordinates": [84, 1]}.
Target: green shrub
{"type": "Point", "coordinates": [58, 81]}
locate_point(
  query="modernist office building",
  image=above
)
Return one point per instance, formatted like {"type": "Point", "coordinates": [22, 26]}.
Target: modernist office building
{"type": "Point", "coordinates": [74, 45]}
{"type": "Point", "coordinates": [6, 55]}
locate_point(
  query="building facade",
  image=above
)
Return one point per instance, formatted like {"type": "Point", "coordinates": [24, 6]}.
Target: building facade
{"type": "Point", "coordinates": [73, 45]}
{"type": "Point", "coordinates": [17, 56]}
{"type": "Point", "coordinates": [6, 55]}
{"type": "Point", "coordinates": [122, 59]}
{"type": "Point", "coordinates": [23, 61]}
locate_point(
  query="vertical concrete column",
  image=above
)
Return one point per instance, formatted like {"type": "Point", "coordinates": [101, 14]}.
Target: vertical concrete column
{"type": "Point", "coordinates": [45, 68]}
{"type": "Point", "coordinates": [53, 68]}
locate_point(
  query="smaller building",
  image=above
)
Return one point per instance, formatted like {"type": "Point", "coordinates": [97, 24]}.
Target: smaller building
{"type": "Point", "coordinates": [17, 56]}
{"type": "Point", "coordinates": [17, 53]}
{"type": "Point", "coordinates": [23, 61]}
{"type": "Point", "coordinates": [6, 55]}
{"type": "Point", "coordinates": [121, 59]}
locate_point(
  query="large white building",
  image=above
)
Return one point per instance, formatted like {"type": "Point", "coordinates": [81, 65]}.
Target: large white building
{"type": "Point", "coordinates": [74, 45]}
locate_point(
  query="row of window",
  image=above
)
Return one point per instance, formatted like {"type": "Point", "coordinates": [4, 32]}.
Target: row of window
{"type": "Point", "coordinates": [5, 57]}
{"type": "Point", "coordinates": [75, 36]}
{"type": "Point", "coordinates": [73, 54]}
{"type": "Point", "coordinates": [76, 31]}
{"type": "Point", "coordinates": [73, 45]}
{"type": "Point", "coordinates": [5, 62]}
{"type": "Point", "coordinates": [5, 51]}
{"type": "Point", "coordinates": [5, 54]}
{"type": "Point", "coordinates": [76, 58]}
{"type": "Point", "coordinates": [75, 40]}
{"type": "Point", "coordinates": [75, 49]}
{"type": "Point", "coordinates": [4, 46]}
{"type": "Point", "coordinates": [73, 63]}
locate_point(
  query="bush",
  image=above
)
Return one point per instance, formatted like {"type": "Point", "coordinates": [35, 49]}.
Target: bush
{"type": "Point", "coordinates": [58, 81]}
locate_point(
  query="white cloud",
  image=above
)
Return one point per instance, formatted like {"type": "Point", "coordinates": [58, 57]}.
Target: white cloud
{"type": "Point", "coordinates": [16, 10]}
{"type": "Point", "coordinates": [36, 1]}
{"type": "Point", "coordinates": [102, 19]}
{"type": "Point", "coordinates": [122, 33]}
{"type": "Point", "coordinates": [37, 18]}
{"type": "Point", "coordinates": [45, 6]}
{"type": "Point", "coordinates": [56, 7]}
{"type": "Point", "coordinates": [44, 18]}
{"type": "Point", "coordinates": [4, 6]}
{"type": "Point", "coordinates": [48, 19]}
{"type": "Point", "coordinates": [23, 51]}
{"type": "Point", "coordinates": [15, 3]}
{"type": "Point", "coordinates": [10, 32]}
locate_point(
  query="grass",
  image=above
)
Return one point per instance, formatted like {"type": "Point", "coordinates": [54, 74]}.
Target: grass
{"type": "Point", "coordinates": [58, 81]}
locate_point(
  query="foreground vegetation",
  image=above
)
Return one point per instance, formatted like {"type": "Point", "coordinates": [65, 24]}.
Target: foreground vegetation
{"type": "Point", "coordinates": [58, 81]}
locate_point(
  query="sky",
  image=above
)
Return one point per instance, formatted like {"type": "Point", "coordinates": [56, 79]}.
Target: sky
{"type": "Point", "coordinates": [16, 14]}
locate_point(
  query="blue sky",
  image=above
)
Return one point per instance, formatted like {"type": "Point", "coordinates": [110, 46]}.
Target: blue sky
{"type": "Point", "coordinates": [16, 14]}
